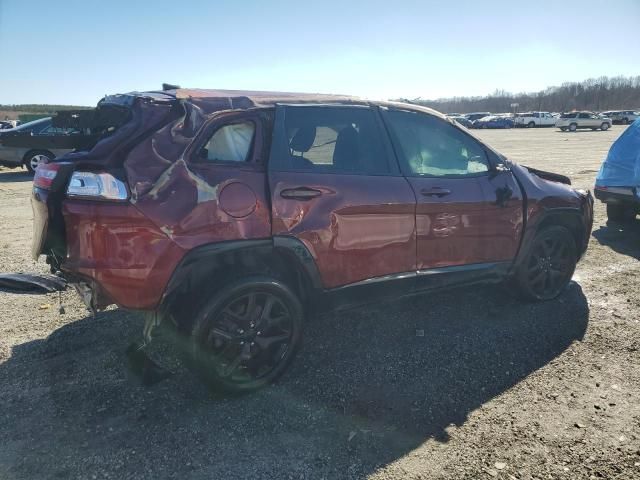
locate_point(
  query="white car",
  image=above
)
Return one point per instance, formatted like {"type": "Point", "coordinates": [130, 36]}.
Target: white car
{"type": "Point", "coordinates": [535, 119]}
{"type": "Point", "coordinates": [574, 120]}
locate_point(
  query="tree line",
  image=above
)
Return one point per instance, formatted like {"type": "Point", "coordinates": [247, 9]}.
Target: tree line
{"type": "Point", "coordinates": [596, 94]}
{"type": "Point", "coordinates": [39, 108]}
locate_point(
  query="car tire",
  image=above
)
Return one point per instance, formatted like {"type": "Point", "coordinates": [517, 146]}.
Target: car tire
{"type": "Point", "coordinates": [531, 125]}
{"type": "Point", "coordinates": [620, 213]}
{"type": "Point", "coordinates": [32, 158]}
{"type": "Point", "coordinates": [548, 266]}
{"type": "Point", "coordinates": [236, 344]}
{"type": "Point", "coordinates": [573, 127]}
{"type": "Point", "coordinates": [604, 127]}
{"type": "Point", "coordinates": [564, 129]}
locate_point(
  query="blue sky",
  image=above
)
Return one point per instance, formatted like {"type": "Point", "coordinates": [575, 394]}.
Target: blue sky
{"type": "Point", "coordinates": [74, 52]}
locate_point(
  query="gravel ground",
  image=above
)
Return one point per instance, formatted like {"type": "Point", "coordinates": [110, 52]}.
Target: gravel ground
{"type": "Point", "coordinates": [494, 388]}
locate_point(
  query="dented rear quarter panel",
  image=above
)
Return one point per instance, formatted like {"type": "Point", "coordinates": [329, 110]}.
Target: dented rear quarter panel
{"type": "Point", "coordinates": [119, 251]}
{"type": "Point", "coordinates": [129, 251]}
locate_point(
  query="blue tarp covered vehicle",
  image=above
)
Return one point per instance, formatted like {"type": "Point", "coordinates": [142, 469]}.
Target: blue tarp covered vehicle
{"type": "Point", "coordinates": [618, 181]}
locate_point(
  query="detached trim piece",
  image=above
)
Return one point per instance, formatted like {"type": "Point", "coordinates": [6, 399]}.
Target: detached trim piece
{"type": "Point", "coordinates": [31, 283]}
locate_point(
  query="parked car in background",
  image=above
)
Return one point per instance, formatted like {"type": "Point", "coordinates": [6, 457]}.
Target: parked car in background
{"type": "Point", "coordinates": [493, 121]}
{"type": "Point", "coordinates": [625, 117]}
{"type": "Point", "coordinates": [5, 125]}
{"type": "Point", "coordinates": [28, 157]}
{"type": "Point", "coordinates": [235, 225]}
{"type": "Point", "coordinates": [618, 181]}
{"type": "Point", "coordinates": [464, 121]}
{"type": "Point", "coordinates": [476, 115]}
{"type": "Point", "coordinates": [534, 119]}
{"type": "Point", "coordinates": [575, 120]}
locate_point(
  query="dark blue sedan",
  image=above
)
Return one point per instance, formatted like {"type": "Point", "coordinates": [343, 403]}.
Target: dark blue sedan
{"type": "Point", "coordinates": [493, 122]}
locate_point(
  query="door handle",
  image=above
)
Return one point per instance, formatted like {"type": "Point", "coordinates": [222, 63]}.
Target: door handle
{"type": "Point", "coordinates": [300, 193]}
{"type": "Point", "coordinates": [435, 192]}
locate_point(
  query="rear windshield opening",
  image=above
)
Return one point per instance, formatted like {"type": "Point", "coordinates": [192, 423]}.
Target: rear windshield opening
{"type": "Point", "coordinates": [89, 126]}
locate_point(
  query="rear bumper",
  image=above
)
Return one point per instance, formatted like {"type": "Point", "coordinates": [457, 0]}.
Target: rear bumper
{"type": "Point", "coordinates": [618, 195]}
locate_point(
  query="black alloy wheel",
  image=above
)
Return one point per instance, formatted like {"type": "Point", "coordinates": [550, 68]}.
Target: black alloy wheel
{"type": "Point", "coordinates": [247, 335]}
{"type": "Point", "coordinates": [549, 265]}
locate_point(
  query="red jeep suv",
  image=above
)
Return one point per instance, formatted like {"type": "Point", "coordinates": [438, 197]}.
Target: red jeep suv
{"type": "Point", "coordinates": [234, 215]}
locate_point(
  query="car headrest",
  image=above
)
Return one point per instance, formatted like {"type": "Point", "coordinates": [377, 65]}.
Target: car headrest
{"type": "Point", "coordinates": [303, 139]}
{"type": "Point", "coordinates": [346, 152]}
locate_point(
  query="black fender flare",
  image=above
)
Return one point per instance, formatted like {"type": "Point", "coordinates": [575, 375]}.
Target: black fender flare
{"type": "Point", "coordinates": [205, 259]}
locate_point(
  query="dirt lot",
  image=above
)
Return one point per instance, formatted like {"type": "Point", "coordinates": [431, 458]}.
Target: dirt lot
{"type": "Point", "coordinates": [494, 388]}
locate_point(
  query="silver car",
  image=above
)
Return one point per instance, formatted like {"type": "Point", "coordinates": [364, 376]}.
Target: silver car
{"type": "Point", "coordinates": [574, 120]}
{"type": "Point", "coordinates": [30, 157]}
{"type": "Point", "coordinates": [624, 117]}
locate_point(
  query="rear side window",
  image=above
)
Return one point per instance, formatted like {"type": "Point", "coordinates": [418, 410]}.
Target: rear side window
{"type": "Point", "coordinates": [428, 146]}
{"type": "Point", "coordinates": [330, 140]}
{"type": "Point", "coordinates": [568, 115]}
{"type": "Point", "coordinates": [229, 143]}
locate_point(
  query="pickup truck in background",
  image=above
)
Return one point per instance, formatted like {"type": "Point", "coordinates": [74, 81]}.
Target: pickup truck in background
{"type": "Point", "coordinates": [534, 119]}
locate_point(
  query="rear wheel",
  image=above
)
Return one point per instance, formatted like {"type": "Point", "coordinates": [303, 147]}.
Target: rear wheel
{"type": "Point", "coordinates": [247, 335]}
{"type": "Point", "coordinates": [604, 126]}
{"type": "Point", "coordinates": [564, 129]}
{"type": "Point", "coordinates": [33, 158]}
{"type": "Point", "coordinates": [620, 213]}
{"type": "Point", "coordinates": [573, 127]}
{"type": "Point", "coordinates": [549, 265]}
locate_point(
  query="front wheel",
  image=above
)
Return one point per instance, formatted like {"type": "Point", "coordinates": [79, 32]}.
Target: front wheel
{"type": "Point", "coordinates": [549, 264]}
{"type": "Point", "coordinates": [247, 335]}
{"type": "Point", "coordinates": [531, 124]}
{"type": "Point", "coordinates": [604, 126]}
{"type": "Point", "coordinates": [564, 129]}
{"type": "Point", "coordinates": [620, 213]}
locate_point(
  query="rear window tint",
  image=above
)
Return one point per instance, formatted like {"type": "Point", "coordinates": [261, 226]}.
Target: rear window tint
{"type": "Point", "coordinates": [331, 140]}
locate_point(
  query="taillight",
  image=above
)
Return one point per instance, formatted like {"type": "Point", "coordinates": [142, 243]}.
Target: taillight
{"type": "Point", "coordinates": [98, 186]}
{"type": "Point", "coordinates": [45, 173]}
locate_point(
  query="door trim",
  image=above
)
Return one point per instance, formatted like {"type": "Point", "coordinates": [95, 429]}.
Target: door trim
{"type": "Point", "coordinates": [410, 283]}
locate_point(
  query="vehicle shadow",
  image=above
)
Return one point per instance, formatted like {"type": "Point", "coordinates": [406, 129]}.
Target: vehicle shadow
{"type": "Point", "coordinates": [369, 387]}
{"type": "Point", "coordinates": [623, 238]}
{"type": "Point", "coordinates": [582, 130]}
{"type": "Point", "coordinates": [11, 176]}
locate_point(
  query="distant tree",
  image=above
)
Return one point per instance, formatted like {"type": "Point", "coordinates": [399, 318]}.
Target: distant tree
{"type": "Point", "coordinates": [603, 93]}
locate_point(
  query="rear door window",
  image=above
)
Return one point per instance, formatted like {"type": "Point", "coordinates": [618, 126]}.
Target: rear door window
{"type": "Point", "coordinates": [330, 139]}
